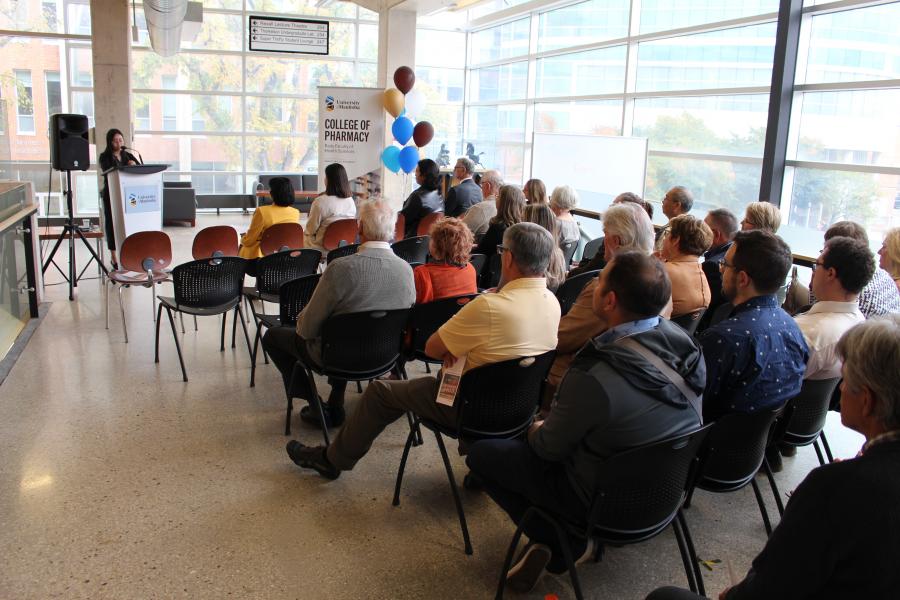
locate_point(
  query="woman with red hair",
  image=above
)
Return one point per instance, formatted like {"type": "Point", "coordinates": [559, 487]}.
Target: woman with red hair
{"type": "Point", "coordinates": [450, 273]}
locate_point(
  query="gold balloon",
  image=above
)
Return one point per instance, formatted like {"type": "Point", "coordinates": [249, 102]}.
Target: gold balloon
{"type": "Point", "coordinates": [393, 102]}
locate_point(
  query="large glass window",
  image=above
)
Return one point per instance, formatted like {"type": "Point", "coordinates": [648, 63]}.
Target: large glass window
{"type": "Point", "coordinates": [24, 102]}
{"type": "Point", "coordinates": [584, 23]}
{"type": "Point", "coordinates": [583, 73]}
{"type": "Point", "coordinates": [441, 77]}
{"type": "Point", "coordinates": [503, 41]}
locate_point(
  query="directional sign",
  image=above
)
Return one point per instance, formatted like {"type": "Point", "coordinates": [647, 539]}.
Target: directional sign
{"type": "Point", "coordinates": [296, 36]}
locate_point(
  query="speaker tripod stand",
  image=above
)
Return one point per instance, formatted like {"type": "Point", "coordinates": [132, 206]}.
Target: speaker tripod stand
{"type": "Point", "coordinates": [69, 231]}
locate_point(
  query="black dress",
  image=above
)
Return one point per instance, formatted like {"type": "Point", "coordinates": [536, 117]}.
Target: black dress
{"type": "Point", "coordinates": [107, 161]}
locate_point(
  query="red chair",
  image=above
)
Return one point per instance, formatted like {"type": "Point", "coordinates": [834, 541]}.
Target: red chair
{"type": "Point", "coordinates": [281, 236]}
{"type": "Point", "coordinates": [212, 242]}
{"type": "Point", "coordinates": [427, 222]}
{"type": "Point", "coordinates": [342, 230]}
{"type": "Point", "coordinates": [143, 259]}
{"type": "Point", "coordinates": [400, 227]}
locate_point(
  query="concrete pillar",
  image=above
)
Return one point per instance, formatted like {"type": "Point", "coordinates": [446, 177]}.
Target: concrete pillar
{"type": "Point", "coordinates": [111, 50]}
{"type": "Point", "coordinates": [396, 48]}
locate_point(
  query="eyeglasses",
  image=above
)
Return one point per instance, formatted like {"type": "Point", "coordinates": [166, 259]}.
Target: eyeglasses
{"type": "Point", "coordinates": [725, 265]}
{"type": "Point", "coordinates": [501, 248]}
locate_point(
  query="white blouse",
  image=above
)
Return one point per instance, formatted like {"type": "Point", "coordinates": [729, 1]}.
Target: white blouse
{"type": "Point", "coordinates": [324, 211]}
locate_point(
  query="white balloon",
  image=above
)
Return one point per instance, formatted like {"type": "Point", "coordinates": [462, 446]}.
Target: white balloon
{"type": "Point", "coordinates": [415, 103]}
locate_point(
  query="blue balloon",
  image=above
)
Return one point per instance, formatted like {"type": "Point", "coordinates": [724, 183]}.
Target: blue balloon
{"type": "Point", "coordinates": [409, 158]}
{"type": "Point", "coordinates": [391, 158]}
{"type": "Point", "coordinates": [402, 129]}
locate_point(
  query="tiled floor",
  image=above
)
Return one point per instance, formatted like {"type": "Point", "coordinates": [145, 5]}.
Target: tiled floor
{"type": "Point", "coordinates": [118, 480]}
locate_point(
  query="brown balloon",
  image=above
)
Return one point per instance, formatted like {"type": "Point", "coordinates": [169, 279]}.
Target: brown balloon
{"type": "Point", "coordinates": [393, 102]}
{"type": "Point", "coordinates": [423, 133]}
{"type": "Point", "coordinates": [404, 79]}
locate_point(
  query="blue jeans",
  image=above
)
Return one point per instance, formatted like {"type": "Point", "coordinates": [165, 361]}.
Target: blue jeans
{"type": "Point", "coordinates": [516, 478]}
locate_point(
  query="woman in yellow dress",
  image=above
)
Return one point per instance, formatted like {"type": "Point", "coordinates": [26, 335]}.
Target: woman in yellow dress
{"type": "Point", "coordinates": [280, 211]}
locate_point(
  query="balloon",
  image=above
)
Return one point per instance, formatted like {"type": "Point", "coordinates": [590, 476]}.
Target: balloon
{"type": "Point", "coordinates": [402, 129]}
{"type": "Point", "coordinates": [404, 79]}
{"type": "Point", "coordinates": [393, 102]}
{"type": "Point", "coordinates": [391, 158]}
{"type": "Point", "coordinates": [415, 103]}
{"type": "Point", "coordinates": [422, 133]}
{"type": "Point", "coordinates": [409, 158]}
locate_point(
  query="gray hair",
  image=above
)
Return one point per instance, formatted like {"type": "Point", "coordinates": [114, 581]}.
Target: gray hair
{"type": "Point", "coordinates": [377, 220]}
{"type": "Point", "coordinates": [725, 221]}
{"type": "Point", "coordinates": [564, 197]}
{"type": "Point", "coordinates": [871, 353]}
{"type": "Point", "coordinates": [682, 196]}
{"type": "Point", "coordinates": [630, 223]}
{"type": "Point", "coordinates": [467, 163]}
{"type": "Point", "coordinates": [492, 177]}
{"type": "Point", "coordinates": [531, 246]}
{"type": "Point", "coordinates": [764, 215]}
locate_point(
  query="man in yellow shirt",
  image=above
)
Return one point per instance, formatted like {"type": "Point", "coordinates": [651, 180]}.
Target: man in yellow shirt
{"type": "Point", "coordinates": [519, 320]}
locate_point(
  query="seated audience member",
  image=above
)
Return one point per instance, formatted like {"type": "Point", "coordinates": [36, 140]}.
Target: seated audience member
{"type": "Point", "coordinates": [755, 359]}
{"type": "Point", "coordinates": [686, 239]}
{"type": "Point", "coordinates": [761, 215]}
{"type": "Point", "coordinates": [890, 255]}
{"type": "Point", "coordinates": [542, 215]}
{"type": "Point", "coordinates": [423, 200]}
{"type": "Point", "coordinates": [598, 261]}
{"type": "Point", "coordinates": [880, 296]}
{"type": "Point", "coordinates": [519, 320]}
{"type": "Point", "coordinates": [478, 218]}
{"type": "Point", "coordinates": [562, 201]}
{"type": "Point", "coordinates": [462, 196]}
{"type": "Point", "coordinates": [843, 268]}
{"type": "Point", "coordinates": [337, 203]}
{"type": "Point", "coordinates": [839, 534]}
{"type": "Point", "coordinates": [611, 400]}
{"type": "Point", "coordinates": [280, 211]}
{"type": "Point", "coordinates": [372, 279]}
{"type": "Point", "coordinates": [535, 192]}
{"type": "Point", "coordinates": [450, 273]}
{"type": "Point", "coordinates": [677, 201]}
{"type": "Point", "coordinates": [510, 204]}
{"type": "Point", "coordinates": [724, 225]}
{"type": "Point", "coordinates": [627, 228]}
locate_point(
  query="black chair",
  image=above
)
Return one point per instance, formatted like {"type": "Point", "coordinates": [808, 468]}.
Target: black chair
{"type": "Point", "coordinates": [427, 318]}
{"type": "Point", "coordinates": [477, 261]}
{"type": "Point", "coordinates": [293, 296]}
{"type": "Point", "coordinates": [413, 249]}
{"type": "Point", "coordinates": [275, 269]}
{"type": "Point", "coordinates": [355, 347]}
{"type": "Point", "coordinates": [805, 416]}
{"type": "Point", "coordinates": [205, 288]}
{"type": "Point", "coordinates": [568, 250]}
{"type": "Point", "coordinates": [490, 274]}
{"type": "Point", "coordinates": [734, 452]}
{"type": "Point", "coordinates": [638, 495]}
{"type": "Point", "coordinates": [341, 251]}
{"type": "Point", "coordinates": [689, 321]}
{"type": "Point", "coordinates": [570, 289]}
{"type": "Point", "coordinates": [591, 248]}
{"type": "Point", "coordinates": [495, 401]}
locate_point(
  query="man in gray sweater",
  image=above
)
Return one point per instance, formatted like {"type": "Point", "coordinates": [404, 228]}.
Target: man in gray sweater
{"type": "Point", "coordinates": [372, 279]}
{"type": "Point", "coordinates": [612, 399]}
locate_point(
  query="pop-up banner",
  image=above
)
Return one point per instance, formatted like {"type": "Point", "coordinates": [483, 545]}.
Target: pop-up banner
{"type": "Point", "coordinates": [351, 132]}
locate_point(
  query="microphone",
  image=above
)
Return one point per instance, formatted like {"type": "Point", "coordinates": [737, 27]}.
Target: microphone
{"type": "Point", "coordinates": [140, 158]}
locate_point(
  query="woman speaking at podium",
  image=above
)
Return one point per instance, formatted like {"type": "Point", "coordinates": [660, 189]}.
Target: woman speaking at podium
{"type": "Point", "coordinates": [114, 156]}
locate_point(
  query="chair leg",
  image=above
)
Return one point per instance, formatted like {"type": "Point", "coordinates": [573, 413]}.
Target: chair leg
{"type": "Point", "coordinates": [222, 342]}
{"type": "Point", "coordinates": [181, 318]}
{"type": "Point", "coordinates": [153, 295]}
{"type": "Point", "coordinates": [122, 310]}
{"type": "Point", "coordinates": [567, 554]}
{"type": "Point", "coordinates": [195, 323]}
{"type": "Point", "coordinates": [158, 319]}
{"type": "Point", "coordinates": [234, 326]}
{"type": "Point", "coordinates": [414, 428]}
{"type": "Point", "coordinates": [177, 344]}
{"type": "Point", "coordinates": [690, 496]}
{"type": "Point", "coordinates": [106, 302]}
{"type": "Point", "coordinates": [427, 368]}
{"type": "Point", "coordinates": [692, 553]}
{"type": "Point", "coordinates": [510, 552]}
{"type": "Point", "coordinates": [240, 316]}
{"type": "Point", "coordinates": [774, 486]}
{"type": "Point", "coordinates": [826, 446]}
{"type": "Point", "coordinates": [762, 507]}
{"type": "Point", "coordinates": [409, 442]}
{"type": "Point", "coordinates": [253, 357]}
{"type": "Point", "coordinates": [819, 452]}
{"type": "Point", "coordinates": [323, 422]}
{"type": "Point", "coordinates": [453, 488]}
{"type": "Point", "coordinates": [359, 387]}
{"type": "Point", "coordinates": [685, 555]}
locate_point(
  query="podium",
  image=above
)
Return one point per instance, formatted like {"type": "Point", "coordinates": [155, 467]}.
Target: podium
{"type": "Point", "coordinates": [135, 197]}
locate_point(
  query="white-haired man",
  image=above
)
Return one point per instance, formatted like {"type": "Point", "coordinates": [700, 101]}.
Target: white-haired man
{"type": "Point", "coordinates": [372, 279]}
{"type": "Point", "coordinates": [479, 216]}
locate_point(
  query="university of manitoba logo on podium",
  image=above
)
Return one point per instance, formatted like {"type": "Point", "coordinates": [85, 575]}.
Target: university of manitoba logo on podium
{"type": "Point", "coordinates": [132, 200]}
{"type": "Point", "coordinates": [329, 103]}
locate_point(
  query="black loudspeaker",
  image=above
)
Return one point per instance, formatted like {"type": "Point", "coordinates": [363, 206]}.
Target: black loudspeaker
{"type": "Point", "coordinates": [69, 147]}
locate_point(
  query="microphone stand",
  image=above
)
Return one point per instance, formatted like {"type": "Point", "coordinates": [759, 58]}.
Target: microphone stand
{"type": "Point", "coordinates": [140, 158]}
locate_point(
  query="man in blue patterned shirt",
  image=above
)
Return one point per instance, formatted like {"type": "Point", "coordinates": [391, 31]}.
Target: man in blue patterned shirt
{"type": "Point", "coordinates": [755, 359]}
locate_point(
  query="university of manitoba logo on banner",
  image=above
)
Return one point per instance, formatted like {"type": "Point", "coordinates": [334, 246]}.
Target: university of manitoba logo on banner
{"type": "Point", "coordinates": [329, 103]}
